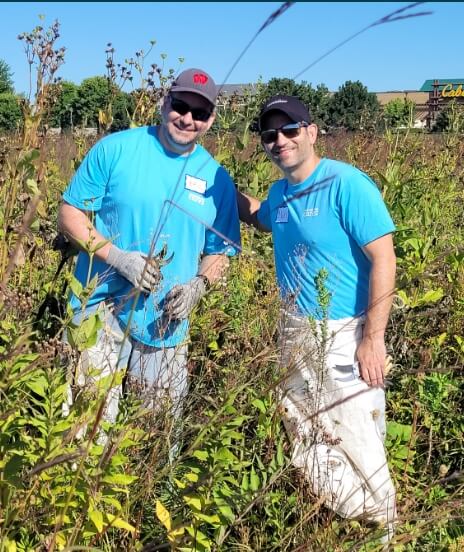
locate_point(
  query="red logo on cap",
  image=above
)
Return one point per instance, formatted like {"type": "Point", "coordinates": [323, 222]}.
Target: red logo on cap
{"type": "Point", "coordinates": [200, 78]}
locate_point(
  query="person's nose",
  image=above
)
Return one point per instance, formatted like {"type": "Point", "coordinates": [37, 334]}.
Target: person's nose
{"type": "Point", "coordinates": [187, 119]}
{"type": "Point", "coordinates": [280, 139]}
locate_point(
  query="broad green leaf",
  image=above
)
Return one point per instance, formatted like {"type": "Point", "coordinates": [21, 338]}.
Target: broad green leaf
{"type": "Point", "coordinates": [119, 479]}
{"type": "Point", "coordinates": [201, 455]}
{"type": "Point", "coordinates": [259, 405]}
{"type": "Point", "coordinates": [97, 519]}
{"type": "Point", "coordinates": [75, 286]}
{"type": "Point", "coordinates": [212, 520]}
{"type": "Point", "coordinates": [431, 296]}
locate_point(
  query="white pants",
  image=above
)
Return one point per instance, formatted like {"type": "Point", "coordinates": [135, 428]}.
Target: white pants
{"type": "Point", "coordinates": [335, 420]}
{"type": "Point", "coordinates": [159, 374]}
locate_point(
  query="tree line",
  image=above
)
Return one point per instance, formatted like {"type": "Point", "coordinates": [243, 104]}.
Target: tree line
{"type": "Point", "coordinates": [351, 107]}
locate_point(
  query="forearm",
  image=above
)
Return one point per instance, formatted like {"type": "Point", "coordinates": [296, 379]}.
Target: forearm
{"type": "Point", "coordinates": [381, 290]}
{"type": "Point", "coordinates": [248, 208]}
{"type": "Point", "coordinates": [78, 228]}
{"type": "Point", "coordinates": [371, 352]}
{"type": "Point", "coordinates": [213, 267]}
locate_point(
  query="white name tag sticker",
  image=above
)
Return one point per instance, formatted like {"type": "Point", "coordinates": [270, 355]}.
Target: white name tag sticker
{"type": "Point", "coordinates": [195, 184]}
{"type": "Point", "coordinates": [282, 214]}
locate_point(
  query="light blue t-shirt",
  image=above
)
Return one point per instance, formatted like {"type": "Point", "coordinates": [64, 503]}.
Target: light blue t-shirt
{"type": "Point", "coordinates": [322, 223]}
{"type": "Point", "coordinates": [138, 193]}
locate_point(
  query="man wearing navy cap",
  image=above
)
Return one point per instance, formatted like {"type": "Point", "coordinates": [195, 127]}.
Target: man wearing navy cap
{"type": "Point", "coordinates": [335, 266]}
{"type": "Point", "coordinates": [164, 216]}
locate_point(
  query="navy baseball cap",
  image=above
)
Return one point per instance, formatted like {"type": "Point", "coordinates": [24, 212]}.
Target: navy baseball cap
{"type": "Point", "coordinates": [290, 105]}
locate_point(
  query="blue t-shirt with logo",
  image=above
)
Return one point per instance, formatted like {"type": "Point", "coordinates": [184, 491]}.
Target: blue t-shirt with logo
{"type": "Point", "coordinates": [143, 197]}
{"type": "Point", "coordinates": [323, 223]}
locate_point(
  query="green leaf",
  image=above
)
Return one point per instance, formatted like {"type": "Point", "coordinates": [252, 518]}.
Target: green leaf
{"type": "Point", "coordinates": [97, 519]}
{"type": "Point", "coordinates": [254, 480]}
{"type": "Point", "coordinates": [401, 431]}
{"type": "Point", "coordinates": [200, 538]}
{"type": "Point", "coordinates": [227, 512]}
{"type": "Point", "coordinates": [280, 454]}
{"type": "Point", "coordinates": [39, 386]}
{"type": "Point", "coordinates": [259, 405]}
{"type": "Point", "coordinates": [201, 455]}
{"type": "Point", "coordinates": [85, 335]}
{"type": "Point", "coordinates": [119, 479]}
{"type": "Point", "coordinates": [431, 296]}
{"type": "Point", "coordinates": [225, 455]}
{"type": "Point", "coordinates": [245, 482]}
{"type": "Point", "coordinates": [75, 286]}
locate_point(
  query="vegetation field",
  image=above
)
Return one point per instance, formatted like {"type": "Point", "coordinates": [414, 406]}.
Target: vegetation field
{"type": "Point", "coordinates": [223, 480]}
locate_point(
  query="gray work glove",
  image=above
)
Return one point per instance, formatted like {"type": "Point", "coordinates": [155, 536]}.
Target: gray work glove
{"type": "Point", "coordinates": [181, 300]}
{"type": "Point", "coordinates": [131, 265]}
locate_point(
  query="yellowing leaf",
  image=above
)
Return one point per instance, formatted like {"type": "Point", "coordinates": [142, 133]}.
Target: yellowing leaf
{"type": "Point", "coordinates": [193, 501]}
{"type": "Point", "coordinates": [163, 515]}
{"type": "Point", "coordinates": [175, 534]}
{"type": "Point", "coordinates": [120, 523]}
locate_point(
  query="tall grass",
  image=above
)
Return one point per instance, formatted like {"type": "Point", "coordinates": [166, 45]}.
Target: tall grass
{"type": "Point", "coordinates": [231, 485]}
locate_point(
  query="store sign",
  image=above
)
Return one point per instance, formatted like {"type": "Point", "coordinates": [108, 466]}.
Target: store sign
{"type": "Point", "coordinates": [450, 92]}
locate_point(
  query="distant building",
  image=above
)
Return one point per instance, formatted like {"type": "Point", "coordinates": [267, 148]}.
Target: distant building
{"type": "Point", "coordinates": [419, 99]}
{"type": "Point", "coordinates": [440, 93]}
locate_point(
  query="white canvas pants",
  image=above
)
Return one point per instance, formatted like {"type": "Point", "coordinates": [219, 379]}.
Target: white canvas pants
{"type": "Point", "coordinates": [335, 420]}
{"type": "Point", "coordinates": [160, 375]}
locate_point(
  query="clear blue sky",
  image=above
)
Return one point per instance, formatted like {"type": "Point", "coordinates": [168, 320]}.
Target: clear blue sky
{"type": "Point", "coordinates": [395, 56]}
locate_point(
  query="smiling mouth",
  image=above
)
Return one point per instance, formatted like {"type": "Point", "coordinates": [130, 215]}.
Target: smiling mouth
{"type": "Point", "coordinates": [280, 152]}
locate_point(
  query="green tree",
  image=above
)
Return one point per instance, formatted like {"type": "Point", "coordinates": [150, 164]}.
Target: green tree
{"type": "Point", "coordinates": [316, 99]}
{"type": "Point", "coordinates": [450, 118]}
{"type": "Point", "coordinates": [6, 78]}
{"type": "Point", "coordinates": [399, 112]}
{"type": "Point", "coordinates": [10, 111]}
{"type": "Point", "coordinates": [62, 113]}
{"type": "Point", "coordinates": [353, 107]}
{"type": "Point", "coordinates": [123, 108]}
{"type": "Point", "coordinates": [94, 93]}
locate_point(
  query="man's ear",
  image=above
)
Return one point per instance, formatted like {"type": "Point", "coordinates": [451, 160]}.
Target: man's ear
{"type": "Point", "coordinates": [312, 131]}
{"type": "Point", "coordinates": [211, 120]}
{"type": "Point", "coordinates": [163, 104]}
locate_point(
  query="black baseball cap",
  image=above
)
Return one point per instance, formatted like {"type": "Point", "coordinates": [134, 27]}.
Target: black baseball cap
{"type": "Point", "coordinates": [290, 105]}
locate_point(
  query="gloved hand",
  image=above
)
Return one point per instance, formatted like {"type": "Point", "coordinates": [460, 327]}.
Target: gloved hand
{"type": "Point", "coordinates": [181, 300]}
{"type": "Point", "coordinates": [131, 265]}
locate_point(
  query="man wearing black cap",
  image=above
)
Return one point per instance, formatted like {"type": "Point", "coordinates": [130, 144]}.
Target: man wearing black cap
{"type": "Point", "coordinates": [160, 216]}
{"type": "Point", "coordinates": [335, 266]}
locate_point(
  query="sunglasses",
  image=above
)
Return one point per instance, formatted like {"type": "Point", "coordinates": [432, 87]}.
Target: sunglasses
{"type": "Point", "coordinates": [291, 130]}
{"type": "Point", "coordinates": [198, 113]}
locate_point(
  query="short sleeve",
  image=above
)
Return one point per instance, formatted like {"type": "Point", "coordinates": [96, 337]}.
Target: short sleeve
{"type": "Point", "coordinates": [362, 210]}
{"type": "Point", "coordinates": [88, 186]}
{"type": "Point", "coordinates": [224, 238]}
{"type": "Point", "coordinates": [264, 214]}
